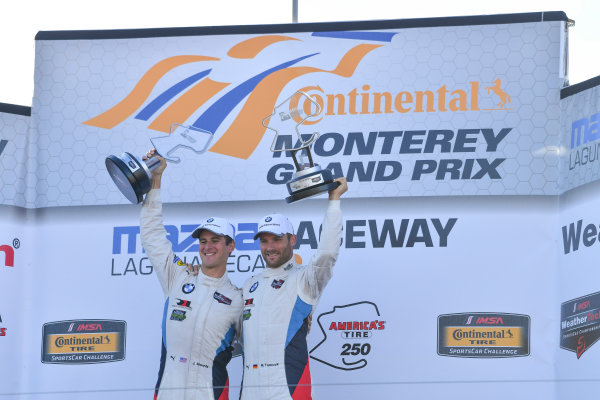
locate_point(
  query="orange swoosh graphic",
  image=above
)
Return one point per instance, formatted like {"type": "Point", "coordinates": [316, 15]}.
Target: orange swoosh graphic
{"type": "Point", "coordinates": [251, 47]}
{"type": "Point", "coordinates": [181, 109]}
{"type": "Point", "coordinates": [123, 110]}
{"type": "Point", "coordinates": [246, 131]}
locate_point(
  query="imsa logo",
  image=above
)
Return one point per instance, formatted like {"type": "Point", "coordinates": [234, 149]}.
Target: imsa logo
{"type": "Point", "coordinates": [483, 335]}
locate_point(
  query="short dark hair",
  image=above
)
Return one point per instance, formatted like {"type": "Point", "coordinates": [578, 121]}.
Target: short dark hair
{"type": "Point", "coordinates": [228, 240]}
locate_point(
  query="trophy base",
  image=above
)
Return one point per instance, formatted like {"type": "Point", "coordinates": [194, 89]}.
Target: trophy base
{"type": "Point", "coordinates": [310, 182]}
{"type": "Point", "coordinates": [131, 176]}
{"type": "Point", "coordinates": [300, 195]}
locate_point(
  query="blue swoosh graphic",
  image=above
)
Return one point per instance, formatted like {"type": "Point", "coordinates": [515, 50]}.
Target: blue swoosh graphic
{"type": "Point", "coordinates": [168, 94]}
{"type": "Point", "coordinates": [212, 118]}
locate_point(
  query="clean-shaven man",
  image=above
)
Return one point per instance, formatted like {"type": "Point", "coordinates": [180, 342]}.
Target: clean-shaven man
{"type": "Point", "coordinates": [201, 311]}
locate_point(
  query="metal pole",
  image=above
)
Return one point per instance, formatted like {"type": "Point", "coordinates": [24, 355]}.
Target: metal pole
{"type": "Point", "coordinates": [295, 11]}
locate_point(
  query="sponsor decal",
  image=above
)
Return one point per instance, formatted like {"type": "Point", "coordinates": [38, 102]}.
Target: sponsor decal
{"type": "Point", "coordinates": [8, 253]}
{"type": "Point", "coordinates": [83, 341]}
{"type": "Point", "coordinates": [184, 303]}
{"type": "Point", "coordinates": [178, 315]}
{"type": "Point", "coordinates": [249, 302]}
{"type": "Point", "coordinates": [2, 329]}
{"type": "Point", "coordinates": [246, 314]}
{"type": "Point", "coordinates": [585, 145]}
{"type": "Point", "coordinates": [580, 323]}
{"type": "Point", "coordinates": [483, 335]}
{"type": "Point", "coordinates": [253, 287]}
{"type": "Point", "coordinates": [188, 288]}
{"type": "Point", "coordinates": [179, 261]}
{"type": "Point", "coordinates": [350, 333]}
{"type": "Point", "coordinates": [277, 283]}
{"type": "Point", "coordinates": [221, 298]}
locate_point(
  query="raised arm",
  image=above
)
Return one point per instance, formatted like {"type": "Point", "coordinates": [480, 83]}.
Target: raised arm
{"type": "Point", "coordinates": [320, 268]}
{"type": "Point", "coordinates": [153, 233]}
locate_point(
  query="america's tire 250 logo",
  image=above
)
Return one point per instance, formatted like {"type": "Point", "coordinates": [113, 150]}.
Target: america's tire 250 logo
{"type": "Point", "coordinates": [348, 333]}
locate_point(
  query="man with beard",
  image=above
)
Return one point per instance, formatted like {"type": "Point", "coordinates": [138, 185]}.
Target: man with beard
{"type": "Point", "coordinates": [201, 310]}
{"type": "Point", "coordinates": [278, 304]}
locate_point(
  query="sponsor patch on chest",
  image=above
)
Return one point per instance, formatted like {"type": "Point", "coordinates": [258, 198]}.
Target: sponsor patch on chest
{"type": "Point", "coordinates": [277, 283]}
{"type": "Point", "coordinates": [253, 287]}
{"type": "Point", "coordinates": [178, 315]}
{"type": "Point", "coordinates": [222, 298]}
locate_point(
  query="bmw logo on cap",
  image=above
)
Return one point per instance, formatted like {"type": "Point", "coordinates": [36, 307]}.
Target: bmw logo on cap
{"type": "Point", "coordinates": [268, 219]}
{"type": "Point", "coordinates": [210, 220]}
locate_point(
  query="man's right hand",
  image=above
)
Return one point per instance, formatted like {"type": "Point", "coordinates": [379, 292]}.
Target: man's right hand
{"type": "Point", "coordinates": [158, 170]}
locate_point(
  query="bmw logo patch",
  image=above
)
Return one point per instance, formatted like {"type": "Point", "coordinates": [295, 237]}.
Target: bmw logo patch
{"type": "Point", "coordinates": [210, 220]}
{"type": "Point", "coordinates": [253, 287]}
{"type": "Point", "coordinates": [188, 288]}
{"type": "Point", "coordinates": [268, 219]}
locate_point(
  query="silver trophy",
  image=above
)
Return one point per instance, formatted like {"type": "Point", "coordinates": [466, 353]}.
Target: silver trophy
{"type": "Point", "coordinates": [132, 175]}
{"type": "Point", "coordinates": [309, 179]}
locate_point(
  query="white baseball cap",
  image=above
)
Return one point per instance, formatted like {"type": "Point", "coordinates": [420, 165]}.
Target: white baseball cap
{"type": "Point", "coordinates": [218, 226]}
{"type": "Point", "coordinates": [276, 224]}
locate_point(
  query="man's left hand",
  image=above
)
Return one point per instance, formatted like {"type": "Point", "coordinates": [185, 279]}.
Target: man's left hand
{"type": "Point", "coordinates": [336, 193]}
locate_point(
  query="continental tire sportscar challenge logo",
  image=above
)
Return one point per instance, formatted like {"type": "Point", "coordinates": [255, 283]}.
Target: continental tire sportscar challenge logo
{"type": "Point", "coordinates": [483, 335]}
{"type": "Point", "coordinates": [350, 335]}
{"type": "Point", "coordinates": [83, 341]}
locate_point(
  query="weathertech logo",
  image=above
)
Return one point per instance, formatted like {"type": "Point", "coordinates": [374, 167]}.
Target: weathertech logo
{"type": "Point", "coordinates": [580, 323]}
{"type": "Point", "coordinates": [483, 335]}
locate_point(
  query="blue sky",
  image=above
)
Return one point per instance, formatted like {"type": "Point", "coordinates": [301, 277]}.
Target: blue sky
{"type": "Point", "coordinates": [21, 20]}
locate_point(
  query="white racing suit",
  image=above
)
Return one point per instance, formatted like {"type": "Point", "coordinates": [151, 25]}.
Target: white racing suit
{"type": "Point", "coordinates": [277, 303]}
{"type": "Point", "coordinates": [199, 321]}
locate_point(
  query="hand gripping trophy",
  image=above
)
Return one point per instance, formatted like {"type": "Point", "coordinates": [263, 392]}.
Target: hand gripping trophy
{"type": "Point", "coordinates": [309, 179]}
{"type": "Point", "coordinates": [132, 176]}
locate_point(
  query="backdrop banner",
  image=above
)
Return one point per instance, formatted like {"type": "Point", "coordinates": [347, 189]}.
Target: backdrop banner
{"type": "Point", "coordinates": [467, 254]}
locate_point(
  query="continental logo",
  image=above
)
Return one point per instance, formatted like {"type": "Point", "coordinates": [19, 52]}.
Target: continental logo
{"type": "Point", "coordinates": [483, 335]}
{"type": "Point", "coordinates": [206, 102]}
{"type": "Point", "coordinates": [365, 101]}
{"type": "Point", "coordinates": [83, 341]}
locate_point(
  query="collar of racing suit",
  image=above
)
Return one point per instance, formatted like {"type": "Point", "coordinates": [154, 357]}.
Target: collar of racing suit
{"type": "Point", "coordinates": [210, 281]}
{"type": "Point", "coordinates": [282, 270]}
